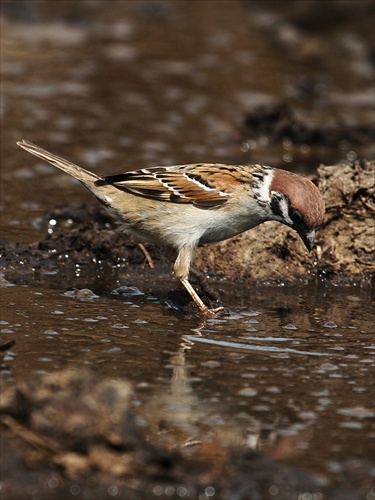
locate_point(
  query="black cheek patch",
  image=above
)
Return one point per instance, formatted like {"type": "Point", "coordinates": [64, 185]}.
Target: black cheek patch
{"type": "Point", "coordinates": [275, 206]}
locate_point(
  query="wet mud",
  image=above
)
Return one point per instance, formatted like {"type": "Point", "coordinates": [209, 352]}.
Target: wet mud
{"type": "Point", "coordinates": [344, 244]}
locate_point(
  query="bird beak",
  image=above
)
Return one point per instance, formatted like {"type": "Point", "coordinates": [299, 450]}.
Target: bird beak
{"type": "Point", "coordinates": [308, 239]}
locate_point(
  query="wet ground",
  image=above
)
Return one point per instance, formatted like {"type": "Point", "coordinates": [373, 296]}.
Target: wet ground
{"type": "Point", "coordinates": [289, 370]}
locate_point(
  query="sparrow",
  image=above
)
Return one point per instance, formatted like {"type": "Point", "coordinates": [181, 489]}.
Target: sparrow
{"type": "Point", "coordinates": [183, 206]}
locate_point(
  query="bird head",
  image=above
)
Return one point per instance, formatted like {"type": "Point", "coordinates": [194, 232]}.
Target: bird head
{"type": "Point", "coordinates": [296, 202]}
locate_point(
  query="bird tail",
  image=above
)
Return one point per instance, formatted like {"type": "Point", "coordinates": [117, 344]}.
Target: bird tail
{"type": "Point", "coordinates": [85, 176]}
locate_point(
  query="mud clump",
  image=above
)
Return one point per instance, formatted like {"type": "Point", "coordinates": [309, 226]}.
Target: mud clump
{"type": "Point", "coordinates": [349, 231]}
{"type": "Point", "coordinates": [344, 244]}
{"type": "Point", "coordinates": [81, 234]}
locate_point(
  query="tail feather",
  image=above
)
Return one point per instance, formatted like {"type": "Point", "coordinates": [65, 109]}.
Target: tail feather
{"type": "Point", "coordinates": [85, 176]}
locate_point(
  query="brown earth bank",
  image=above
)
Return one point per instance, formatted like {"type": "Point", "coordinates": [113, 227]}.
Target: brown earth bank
{"type": "Point", "coordinates": [70, 433]}
{"type": "Point", "coordinates": [271, 252]}
{"type": "Point", "coordinates": [344, 245]}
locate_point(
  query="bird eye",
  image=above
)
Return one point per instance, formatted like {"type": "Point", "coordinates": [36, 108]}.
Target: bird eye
{"type": "Point", "coordinates": [296, 216]}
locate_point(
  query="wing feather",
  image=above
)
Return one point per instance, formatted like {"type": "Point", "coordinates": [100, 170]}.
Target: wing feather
{"type": "Point", "coordinates": [205, 184]}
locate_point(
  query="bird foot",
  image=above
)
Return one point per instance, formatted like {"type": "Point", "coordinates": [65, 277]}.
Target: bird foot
{"type": "Point", "coordinates": [211, 312]}
{"type": "Point", "coordinates": [202, 282]}
{"type": "Point", "coordinates": [198, 301]}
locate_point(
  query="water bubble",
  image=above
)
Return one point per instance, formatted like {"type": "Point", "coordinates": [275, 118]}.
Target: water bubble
{"type": "Point", "coordinates": [329, 324]}
{"type": "Point", "coordinates": [248, 391]}
{"type": "Point", "coordinates": [112, 491]}
{"type": "Point", "coordinates": [158, 490]}
{"type": "Point", "coordinates": [75, 489]}
{"type": "Point", "coordinates": [289, 326]}
{"type": "Point", "coordinates": [53, 482]}
{"type": "Point", "coordinates": [210, 491]}
{"type": "Point", "coordinates": [351, 155]}
{"type": "Point", "coordinates": [273, 490]}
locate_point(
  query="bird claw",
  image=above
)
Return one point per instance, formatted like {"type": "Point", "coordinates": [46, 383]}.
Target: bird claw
{"type": "Point", "coordinates": [211, 312]}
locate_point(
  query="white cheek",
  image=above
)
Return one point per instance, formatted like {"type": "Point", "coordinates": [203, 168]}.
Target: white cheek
{"type": "Point", "coordinates": [285, 212]}
{"type": "Point", "coordinates": [284, 208]}
{"type": "Point", "coordinates": [107, 199]}
{"type": "Point", "coordinates": [264, 187]}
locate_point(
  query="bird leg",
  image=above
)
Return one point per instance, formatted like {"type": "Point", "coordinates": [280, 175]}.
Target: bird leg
{"type": "Point", "coordinates": [148, 257]}
{"type": "Point", "coordinates": [181, 269]}
{"type": "Point", "coordinates": [193, 294]}
{"type": "Point", "coordinates": [201, 280]}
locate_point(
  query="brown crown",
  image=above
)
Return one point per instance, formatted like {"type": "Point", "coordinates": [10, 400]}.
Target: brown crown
{"type": "Point", "coordinates": [304, 196]}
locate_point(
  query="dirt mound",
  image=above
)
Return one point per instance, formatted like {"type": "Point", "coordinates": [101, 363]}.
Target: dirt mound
{"type": "Point", "coordinates": [344, 244]}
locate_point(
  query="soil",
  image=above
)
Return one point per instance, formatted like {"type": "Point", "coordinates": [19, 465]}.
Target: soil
{"type": "Point", "coordinates": [344, 245]}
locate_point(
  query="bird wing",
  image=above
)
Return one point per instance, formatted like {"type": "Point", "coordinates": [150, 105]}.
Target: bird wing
{"type": "Point", "coordinates": [204, 184]}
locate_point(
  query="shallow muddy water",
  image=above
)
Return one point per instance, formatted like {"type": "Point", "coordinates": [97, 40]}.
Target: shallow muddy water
{"type": "Point", "coordinates": [288, 370]}
{"type": "Point", "coordinates": [285, 371]}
